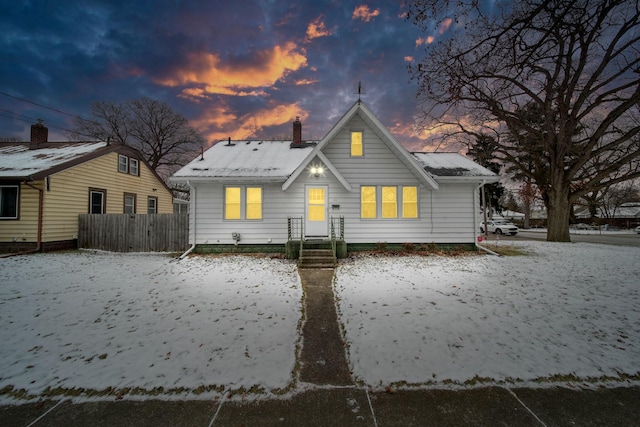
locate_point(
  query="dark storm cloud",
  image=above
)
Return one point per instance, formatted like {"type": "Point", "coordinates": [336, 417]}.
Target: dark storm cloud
{"type": "Point", "coordinates": [238, 68]}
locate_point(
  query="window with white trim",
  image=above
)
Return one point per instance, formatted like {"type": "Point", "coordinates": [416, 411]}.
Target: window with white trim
{"type": "Point", "coordinates": [152, 205]}
{"type": "Point", "coordinates": [123, 163]}
{"type": "Point", "coordinates": [389, 202]}
{"type": "Point", "coordinates": [128, 165]}
{"type": "Point", "coordinates": [368, 208]}
{"type": "Point", "coordinates": [357, 149]}
{"type": "Point", "coordinates": [9, 197]}
{"type": "Point", "coordinates": [243, 202]}
{"type": "Point", "coordinates": [129, 203]}
{"type": "Point", "coordinates": [97, 201]}
{"type": "Point", "coordinates": [133, 167]}
{"type": "Point", "coordinates": [409, 202]}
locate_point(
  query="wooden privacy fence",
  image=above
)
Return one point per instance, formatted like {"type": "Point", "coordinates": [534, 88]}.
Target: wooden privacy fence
{"type": "Point", "coordinates": [134, 232]}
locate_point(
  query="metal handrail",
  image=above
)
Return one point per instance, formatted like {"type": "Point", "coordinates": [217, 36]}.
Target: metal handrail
{"type": "Point", "coordinates": [301, 236]}
{"type": "Point", "coordinates": [295, 231]}
{"type": "Point", "coordinates": [334, 235]}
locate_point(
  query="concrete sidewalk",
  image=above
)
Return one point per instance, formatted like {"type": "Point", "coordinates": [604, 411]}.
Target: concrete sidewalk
{"type": "Point", "coordinates": [329, 396]}
{"type": "Point", "coordinates": [353, 407]}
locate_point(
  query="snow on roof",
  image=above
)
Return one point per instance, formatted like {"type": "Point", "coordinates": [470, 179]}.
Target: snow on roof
{"type": "Point", "coordinates": [451, 165]}
{"type": "Point", "coordinates": [17, 160]}
{"type": "Point", "coordinates": [246, 159]}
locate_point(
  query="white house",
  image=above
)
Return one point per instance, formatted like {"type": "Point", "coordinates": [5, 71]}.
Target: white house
{"type": "Point", "coordinates": [358, 185]}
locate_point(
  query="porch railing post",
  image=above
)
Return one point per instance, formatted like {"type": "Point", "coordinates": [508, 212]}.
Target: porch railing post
{"type": "Point", "coordinates": [301, 236]}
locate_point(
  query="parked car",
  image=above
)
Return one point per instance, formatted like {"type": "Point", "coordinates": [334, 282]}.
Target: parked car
{"type": "Point", "coordinates": [638, 229]}
{"type": "Point", "coordinates": [499, 226]}
{"type": "Point", "coordinates": [583, 226]}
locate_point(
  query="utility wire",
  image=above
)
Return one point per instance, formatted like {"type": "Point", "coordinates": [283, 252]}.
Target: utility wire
{"type": "Point", "coordinates": [31, 120]}
{"type": "Point", "coordinates": [43, 106]}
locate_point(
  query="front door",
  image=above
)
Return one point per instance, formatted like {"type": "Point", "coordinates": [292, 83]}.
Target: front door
{"type": "Point", "coordinates": [316, 223]}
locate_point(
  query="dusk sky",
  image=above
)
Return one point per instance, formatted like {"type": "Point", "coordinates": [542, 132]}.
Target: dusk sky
{"type": "Point", "coordinates": [243, 68]}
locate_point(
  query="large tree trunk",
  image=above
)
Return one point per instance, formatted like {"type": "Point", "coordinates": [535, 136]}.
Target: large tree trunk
{"type": "Point", "coordinates": [527, 193]}
{"type": "Point", "coordinates": [527, 214]}
{"type": "Point", "coordinates": [558, 212]}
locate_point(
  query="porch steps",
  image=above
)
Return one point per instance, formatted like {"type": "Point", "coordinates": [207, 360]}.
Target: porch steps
{"type": "Point", "coordinates": [317, 258]}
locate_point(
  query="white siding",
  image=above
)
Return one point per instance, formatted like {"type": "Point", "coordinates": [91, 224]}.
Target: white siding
{"type": "Point", "coordinates": [444, 216]}
{"type": "Point", "coordinates": [212, 228]}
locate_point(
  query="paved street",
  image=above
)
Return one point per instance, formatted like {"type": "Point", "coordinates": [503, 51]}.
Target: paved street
{"type": "Point", "coordinates": [577, 236]}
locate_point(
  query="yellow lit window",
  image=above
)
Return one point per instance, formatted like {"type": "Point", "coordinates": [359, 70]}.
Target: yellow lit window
{"type": "Point", "coordinates": [232, 203]}
{"type": "Point", "coordinates": [368, 202]}
{"type": "Point", "coordinates": [356, 144]}
{"type": "Point", "coordinates": [316, 208]}
{"type": "Point", "coordinates": [409, 202]}
{"type": "Point", "coordinates": [254, 203]}
{"type": "Point", "coordinates": [389, 202]}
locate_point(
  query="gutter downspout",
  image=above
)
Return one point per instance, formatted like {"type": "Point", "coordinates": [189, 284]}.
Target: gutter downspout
{"type": "Point", "coordinates": [40, 217]}
{"type": "Point", "coordinates": [193, 245]}
{"type": "Point", "coordinates": [475, 228]}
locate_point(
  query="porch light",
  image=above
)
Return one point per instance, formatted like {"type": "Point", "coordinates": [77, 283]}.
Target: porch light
{"type": "Point", "coordinates": [317, 170]}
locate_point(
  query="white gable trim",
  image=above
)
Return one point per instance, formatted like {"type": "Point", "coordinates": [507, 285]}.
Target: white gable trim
{"type": "Point", "coordinates": [400, 151]}
{"type": "Point", "coordinates": [320, 155]}
{"type": "Point", "coordinates": [479, 179]}
{"type": "Point", "coordinates": [385, 136]}
{"type": "Point", "coordinates": [334, 130]}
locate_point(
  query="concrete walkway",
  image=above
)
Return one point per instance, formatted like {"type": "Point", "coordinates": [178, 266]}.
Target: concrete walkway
{"type": "Point", "coordinates": [328, 396]}
{"type": "Point", "coordinates": [323, 358]}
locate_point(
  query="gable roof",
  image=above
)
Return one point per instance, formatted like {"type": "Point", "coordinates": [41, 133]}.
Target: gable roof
{"type": "Point", "coordinates": [247, 160]}
{"type": "Point", "coordinates": [367, 115]}
{"type": "Point", "coordinates": [19, 162]}
{"type": "Point", "coordinates": [277, 161]}
{"type": "Point", "coordinates": [453, 167]}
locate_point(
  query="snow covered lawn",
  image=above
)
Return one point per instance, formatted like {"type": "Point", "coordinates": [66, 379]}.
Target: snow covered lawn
{"type": "Point", "coordinates": [565, 311]}
{"type": "Point", "coordinates": [98, 320]}
{"type": "Point", "coordinates": [142, 325]}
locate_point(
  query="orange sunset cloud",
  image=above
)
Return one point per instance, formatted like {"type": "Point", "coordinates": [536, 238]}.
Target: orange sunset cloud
{"type": "Point", "coordinates": [444, 25]}
{"type": "Point", "coordinates": [317, 29]}
{"type": "Point", "coordinates": [219, 123]}
{"type": "Point", "coordinates": [304, 82]}
{"type": "Point", "coordinates": [426, 40]}
{"type": "Point", "coordinates": [214, 76]}
{"type": "Point", "coordinates": [364, 13]}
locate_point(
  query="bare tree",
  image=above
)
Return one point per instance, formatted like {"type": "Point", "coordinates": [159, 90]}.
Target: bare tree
{"type": "Point", "coordinates": [483, 152]}
{"type": "Point", "coordinates": [576, 62]}
{"type": "Point", "coordinates": [9, 139]}
{"type": "Point", "coordinates": [614, 197]}
{"type": "Point", "coordinates": [162, 135]}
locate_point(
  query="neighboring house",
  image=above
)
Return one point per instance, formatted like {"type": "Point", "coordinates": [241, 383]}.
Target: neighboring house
{"type": "Point", "coordinates": [358, 181]}
{"type": "Point", "coordinates": [45, 185]}
{"type": "Point", "coordinates": [180, 206]}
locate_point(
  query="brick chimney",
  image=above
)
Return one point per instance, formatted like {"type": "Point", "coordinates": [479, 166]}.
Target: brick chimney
{"type": "Point", "coordinates": [297, 134]}
{"type": "Point", "coordinates": [39, 135]}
